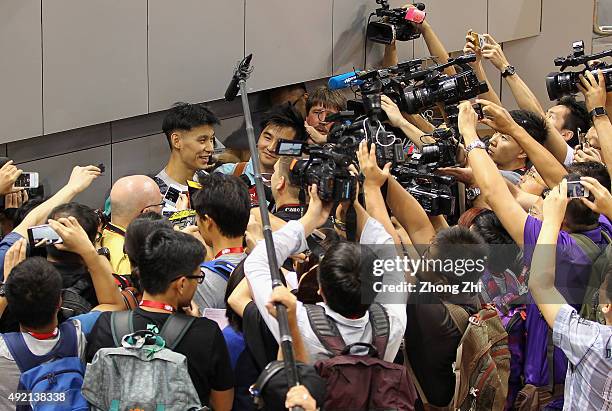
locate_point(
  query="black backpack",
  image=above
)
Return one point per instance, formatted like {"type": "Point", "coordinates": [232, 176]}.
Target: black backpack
{"type": "Point", "coordinates": [73, 302]}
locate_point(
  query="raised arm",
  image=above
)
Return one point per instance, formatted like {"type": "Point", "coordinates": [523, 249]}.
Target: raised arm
{"type": "Point", "coordinates": [435, 47]}
{"type": "Point", "coordinates": [396, 119]}
{"type": "Point", "coordinates": [524, 97]}
{"type": "Point", "coordinates": [542, 273]}
{"type": "Point", "coordinates": [490, 95]}
{"type": "Point", "coordinates": [492, 184]}
{"type": "Point", "coordinates": [547, 165]}
{"type": "Point", "coordinates": [283, 296]}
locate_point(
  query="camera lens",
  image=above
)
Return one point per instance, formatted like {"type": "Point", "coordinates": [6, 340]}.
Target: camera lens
{"type": "Point", "coordinates": [559, 84]}
{"type": "Point", "coordinates": [416, 100]}
{"type": "Point", "coordinates": [430, 153]}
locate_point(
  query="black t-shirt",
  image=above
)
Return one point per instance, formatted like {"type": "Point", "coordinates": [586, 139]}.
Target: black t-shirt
{"type": "Point", "coordinates": [432, 349]}
{"type": "Point", "coordinates": [208, 361]}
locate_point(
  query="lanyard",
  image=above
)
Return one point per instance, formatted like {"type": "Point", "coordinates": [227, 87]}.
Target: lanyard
{"type": "Point", "coordinates": [157, 304]}
{"type": "Point", "coordinates": [44, 336]}
{"type": "Point", "coordinates": [232, 250]}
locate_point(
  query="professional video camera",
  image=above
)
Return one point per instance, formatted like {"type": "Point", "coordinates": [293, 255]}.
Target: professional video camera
{"type": "Point", "coordinates": [433, 192]}
{"type": "Point", "coordinates": [559, 84]}
{"type": "Point", "coordinates": [327, 167]}
{"type": "Point", "coordinates": [395, 24]}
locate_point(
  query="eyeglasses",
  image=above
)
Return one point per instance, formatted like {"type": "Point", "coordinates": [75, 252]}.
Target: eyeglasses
{"type": "Point", "coordinates": [322, 115]}
{"type": "Point", "coordinates": [153, 205]}
{"type": "Point", "coordinates": [200, 278]}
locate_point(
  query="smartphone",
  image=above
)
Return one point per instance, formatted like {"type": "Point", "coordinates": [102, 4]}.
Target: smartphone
{"type": "Point", "coordinates": [289, 148]}
{"type": "Point", "coordinates": [172, 195]}
{"type": "Point", "coordinates": [478, 109]}
{"type": "Point", "coordinates": [27, 180]}
{"type": "Point", "coordinates": [575, 189]}
{"type": "Point", "coordinates": [39, 233]}
{"type": "Point", "coordinates": [478, 40]}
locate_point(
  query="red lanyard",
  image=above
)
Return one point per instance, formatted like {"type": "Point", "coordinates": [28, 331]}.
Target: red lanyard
{"type": "Point", "coordinates": [157, 304]}
{"type": "Point", "coordinates": [232, 250]}
{"type": "Point", "coordinates": [44, 336]}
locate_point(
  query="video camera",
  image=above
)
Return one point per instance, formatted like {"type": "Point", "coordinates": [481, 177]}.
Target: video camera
{"type": "Point", "coordinates": [395, 24]}
{"type": "Point", "coordinates": [327, 167]}
{"type": "Point", "coordinates": [433, 192]}
{"type": "Point", "coordinates": [559, 84]}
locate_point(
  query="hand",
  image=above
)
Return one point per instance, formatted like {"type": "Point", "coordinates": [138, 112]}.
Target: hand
{"type": "Point", "coordinates": [587, 153]}
{"type": "Point", "coordinates": [603, 198]}
{"type": "Point", "coordinates": [194, 231]}
{"type": "Point", "coordinates": [497, 117]}
{"type": "Point", "coordinates": [73, 236]}
{"type": "Point", "coordinates": [463, 174]}
{"type": "Point", "coordinates": [193, 310]}
{"type": "Point", "coordinates": [492, 51]}
{"type": "Point", "coordinates": [299, 396]}
{"type": "Point", "coordinates": [317, 213]}
{"type": "Point", "coordinates": [182, 202]}
{"type": "Point", "coordinates": [555, 203]}
{"type": "Point", "coordinates": [471, 48]}
{"type": "Point", "coordinates": [283, 296]}
{"type": "Point", "coordinates": [16, 199]}
{"type": "Point", "coordinates": [15, 255]}
{"type": "Point", "coordinates": [8, 176]}
{"type": "Point", "coordinates": [392, 110]}
{"type": "Point", "coordinates": [314, 135]}
{"type": "Point", "coordinates": [82, 177]}
{"type": "Point", "coordinates": [254, 233]}
{"type": "Point", "coordinates": [467, 119]}
{"type": "Point", "coordinates": [594, 90]}
{"type": "Point", "coordinates": [374, 176]}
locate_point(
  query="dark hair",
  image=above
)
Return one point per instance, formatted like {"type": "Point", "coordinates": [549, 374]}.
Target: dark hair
{"type": "Point", "coordinates": [533, 123]}
{"type": "Point", "coordinates": [166, 255]}
{"type": "Point", "coordinates": [577, 213]}
{"type": "Point", "coordinates": [185, 116]}
{"type": "Point", "coordinates": [33, 292]}
{"type": "Point", "coordinates": [285, 115]}
{"type": "Point", "coordinates": [137, 232]}
{"type": "Point", "coordinates": [504, 251]}
{"type": "Point", "coordinates": [232, 317]}
{"type": "Point", "coordinates": [87, 218]}
{"type": "Point", "coordinates": [459, 243]}
{"type": "Point", "coordinates": [577, 118]}
{"type": "Point", "coordinates": [329, 99]}
{"type": "Point", "coordinates": [342, 270]}
{"type": "Point", "coordinates": [226, 200]}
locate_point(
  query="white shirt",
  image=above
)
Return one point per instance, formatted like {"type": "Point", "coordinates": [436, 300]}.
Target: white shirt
{"type": "Point", "coordinates": [291, 240]}
{"type": "Point", "coordinates": [569, 156]}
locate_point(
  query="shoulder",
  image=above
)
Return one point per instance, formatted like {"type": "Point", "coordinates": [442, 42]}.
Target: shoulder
{"type": "Point", "coordinates": [227, 168]}
{"type": "Point", "coordinates": [11, 238]}
{"type": "Point", "coordinates": [87, 321]}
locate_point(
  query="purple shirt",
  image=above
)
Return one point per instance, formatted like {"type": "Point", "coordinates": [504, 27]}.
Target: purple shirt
{"type": "Point", "coordinates": [573, 268]}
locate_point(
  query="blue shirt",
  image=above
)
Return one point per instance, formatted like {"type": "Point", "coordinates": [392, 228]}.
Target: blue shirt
{"type": "Point", "coordinates": [230, 167]}
{"type": "Point", "coordinates": [6, 243]}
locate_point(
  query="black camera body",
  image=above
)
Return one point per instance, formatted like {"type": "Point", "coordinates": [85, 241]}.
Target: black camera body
{"type": "Point", "coordinates": [327, 167]}
{"type": "Point", "coordinates": [391, 24]}
{"type": "Point", "coordinates": [432, 191]}
{"type": "Point", "coordinates": [442, 153]}
{"type": "Point", "coordinates": [562, 83]}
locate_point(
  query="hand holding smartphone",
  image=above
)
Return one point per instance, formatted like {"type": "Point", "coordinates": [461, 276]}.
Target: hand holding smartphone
{"type": "Point", "coordinates": [27, 180]}
{"type": "Point", "coordinates": [42, 235]}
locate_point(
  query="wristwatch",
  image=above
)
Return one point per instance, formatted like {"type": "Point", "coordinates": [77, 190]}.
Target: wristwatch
{"type": "Point", "coordinates": [2, 293]}
{"type": "Point", "coordinates": [508, 71]}
{"type": "Point", "coordinates": [473, 145]}
{"type": "Point", "coordinates": [598, 112]}
{"type": "Point", "coordinates": [472, 192]}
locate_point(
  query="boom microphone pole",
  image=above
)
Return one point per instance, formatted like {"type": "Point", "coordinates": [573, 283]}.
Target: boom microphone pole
{"type": "Point", "coordinates": [241, 74]}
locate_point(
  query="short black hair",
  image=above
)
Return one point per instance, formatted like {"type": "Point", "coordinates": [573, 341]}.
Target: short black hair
{"type": "Point", "coordinates": [577, 118]}
{"type": "Point", "coordinates": [533, 123]}
{"type": "Point", "coordinates": [185, 116]}
{"type": "Point", "coordinates": [578, 213]}
{"type": "Point", "coordinates": [329, 99]}
{"type": "Point", "coordinates": [342, 272]}
{"type": "Point", "coordinates": [226, 200]}
{"type": "Point", "coordinates": [460, 244]}
{"type": "Point", "coordinates": [285, 115]}
{"type": "Point", "coordinates": [503, 250]}
{"type": "Point", "coordinates": [33, 292]}
{"type": "Point", "coordinates": [87, 218]}
{"type": "Point", "coordinates": [138, 230]}
{"type": "Point", "coordinates": [166, 255]}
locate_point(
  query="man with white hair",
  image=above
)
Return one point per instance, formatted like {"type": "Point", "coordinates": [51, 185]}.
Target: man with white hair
{"type": "Point", "coordinates": [129, 197]}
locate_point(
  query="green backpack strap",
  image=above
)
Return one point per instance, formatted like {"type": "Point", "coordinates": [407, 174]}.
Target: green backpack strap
{"type": "Point", "coordinates": [122, 323]}
{"type": "Point", "coordinates": [175, 328]}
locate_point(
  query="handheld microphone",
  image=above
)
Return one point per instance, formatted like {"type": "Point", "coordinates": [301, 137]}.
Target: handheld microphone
{"type": "Point", "coordinates": [234, 85]}
{"type": "Point", "coordinates": [344, 80]}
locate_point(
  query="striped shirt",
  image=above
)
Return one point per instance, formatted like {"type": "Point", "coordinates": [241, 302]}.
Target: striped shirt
{"type": "Point", "coordinates": [588, 347]}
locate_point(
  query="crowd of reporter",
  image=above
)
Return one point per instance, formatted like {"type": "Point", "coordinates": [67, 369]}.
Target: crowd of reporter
{"type": "Point", "coordinates": [541, 249]}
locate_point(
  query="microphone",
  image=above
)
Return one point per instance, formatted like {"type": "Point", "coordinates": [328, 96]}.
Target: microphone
{"type": "Point", "coordinates": [344, 80]}
{"type": "Point", "coordinates": [234, 85]}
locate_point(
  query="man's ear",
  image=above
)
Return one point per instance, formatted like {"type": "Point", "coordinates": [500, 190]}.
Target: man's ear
{"type": "Point", "coordinates": [176, 141]}
{"type": "Point", "coordinates": [522, 154]}
{"type": "Point", "coordinates": [567, 134]}
{"type": "Point", "coordinates": [282, 184]}
{"type": "Point", "coordinates": [605, 308]}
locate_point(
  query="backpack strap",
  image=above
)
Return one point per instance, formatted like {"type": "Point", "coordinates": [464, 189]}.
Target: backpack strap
{"type": "Point", "coordinates": [175, 328]}
{"type": "Point", "coordinates": [459, 316]}
{"type": "Point", "coordinates": [413, 376]}
{"type": "Point", "coordinates": [220, 267]}
{"type": "Point", "coordinates": [66, 346]}
{"type": "Point", "coordinates": [239, 169]}
{"type": "Point", "coordinates": [550, 359]}
{"type": "Point", "coordinates": [588, 246]}
{"type": "Point", "coordinates": [325, 329]}
{"type": "Point", "coordinates": [122, 323]}
{"type": "Point", "coordinates": [379, 321]}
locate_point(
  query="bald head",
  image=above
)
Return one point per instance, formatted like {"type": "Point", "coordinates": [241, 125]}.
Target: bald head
{"type": "Point", "coordinates": [130, 195]}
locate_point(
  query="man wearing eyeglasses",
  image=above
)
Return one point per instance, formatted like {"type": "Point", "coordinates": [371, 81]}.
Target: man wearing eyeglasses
{"type": "Point", "coordinates": [321, 103]}
{"type": "Point", "coordinates": [130, 197]}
